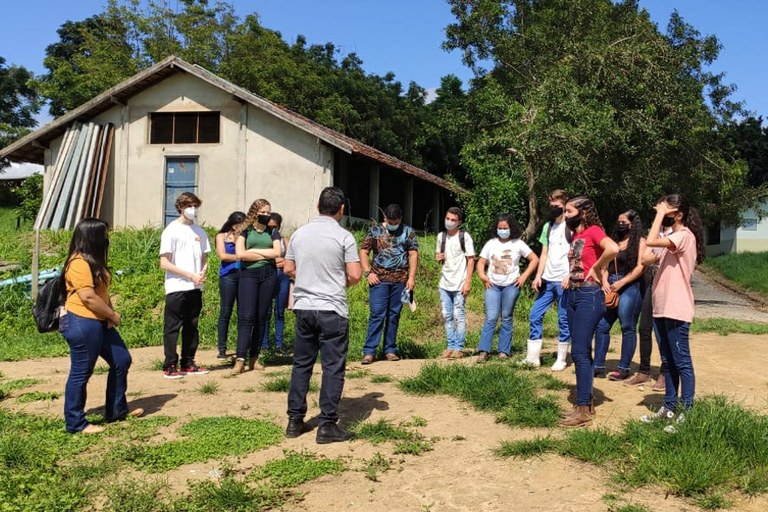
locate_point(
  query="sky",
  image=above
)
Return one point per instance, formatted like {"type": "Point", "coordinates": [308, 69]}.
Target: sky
{"type": "Point", "coordinates": [404, 36]}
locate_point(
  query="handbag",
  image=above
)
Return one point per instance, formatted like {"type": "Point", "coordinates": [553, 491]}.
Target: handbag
{"type": "Point", "coordinates": [611, 297]}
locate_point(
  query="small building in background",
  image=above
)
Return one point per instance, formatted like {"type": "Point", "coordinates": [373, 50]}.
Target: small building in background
{"type": "Point", "coordinates": [750, 236]}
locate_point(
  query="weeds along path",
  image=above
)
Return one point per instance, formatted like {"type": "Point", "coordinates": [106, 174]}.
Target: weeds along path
{"type": "Point", "coordinates": [460, 473]}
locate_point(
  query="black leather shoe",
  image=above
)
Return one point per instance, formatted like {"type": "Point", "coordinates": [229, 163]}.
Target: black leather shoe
{"type": "Point", "coordinates": [295, 427]}
{"type": "Point", "coordinates": [332, 433]}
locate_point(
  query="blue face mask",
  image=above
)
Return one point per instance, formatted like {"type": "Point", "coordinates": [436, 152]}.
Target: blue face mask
{"type": "Point", "coordinates": [502, 233]}
{"type": "Point", "coordinates": [392, 228]}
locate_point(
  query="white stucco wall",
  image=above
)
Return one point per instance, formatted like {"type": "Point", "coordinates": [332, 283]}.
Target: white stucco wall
{"type": "Point", "coordinates": [752, 234]}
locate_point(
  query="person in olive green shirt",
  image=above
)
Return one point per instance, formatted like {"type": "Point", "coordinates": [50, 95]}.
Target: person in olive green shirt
{"type": "Point", "coordinates": [256, 247]}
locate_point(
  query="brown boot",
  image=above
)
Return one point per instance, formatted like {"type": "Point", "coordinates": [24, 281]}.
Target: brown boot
{"type": "Point", "coordinates": [575, 408]}
{"type": "Point", "coordinates": [661, 383]}
{"type": "Point", "coordinates": [579, 418]}
{"type": "Point", "coordinates": [239, 366]}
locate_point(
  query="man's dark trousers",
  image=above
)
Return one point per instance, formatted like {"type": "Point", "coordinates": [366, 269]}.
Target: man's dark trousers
{"type": "Point", "coordinates": [327, 332]}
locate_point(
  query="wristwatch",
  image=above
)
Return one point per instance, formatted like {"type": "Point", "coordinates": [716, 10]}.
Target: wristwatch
{"type": "Point", "coordinates": [366, 272]}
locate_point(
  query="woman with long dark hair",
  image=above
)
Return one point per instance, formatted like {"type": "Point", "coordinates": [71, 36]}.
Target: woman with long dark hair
{"type": "Point", "coordinates": [89, 326]}
{"type": "Point", "coordinates": [623, 277]}
{"type": "Point", "coordinates": [591, 250]}
{"type": "Point", "coordinates": [229, 276]}
{"type": "Point", "coordinates": [673, 303]}
{"type": "Point", "coordinates": [256, 247]}
{"type": "Point", "coordinates": [503, 280]}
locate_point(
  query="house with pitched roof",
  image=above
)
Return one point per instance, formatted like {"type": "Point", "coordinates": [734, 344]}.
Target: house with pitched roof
{"type": "Point", "coordinates": [177, 127]}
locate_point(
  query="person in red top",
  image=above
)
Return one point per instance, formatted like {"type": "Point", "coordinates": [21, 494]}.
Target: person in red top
{"type": "Point", "coordinates": [591, 250]}
{"type": "Point", "coordinates": [673, 303]}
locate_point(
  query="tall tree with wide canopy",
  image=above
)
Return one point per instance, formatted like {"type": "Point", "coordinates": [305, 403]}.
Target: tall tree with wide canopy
{"type": "Point", "coordinates": [588, 95]}
{"type": "Point", "coordinates": [19, 102]}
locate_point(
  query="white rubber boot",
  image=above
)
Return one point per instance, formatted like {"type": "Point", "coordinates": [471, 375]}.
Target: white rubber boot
{"type": "Point", "coordinates": [562, 354]}
{"type": "Point", "coordinates": [533, 357]}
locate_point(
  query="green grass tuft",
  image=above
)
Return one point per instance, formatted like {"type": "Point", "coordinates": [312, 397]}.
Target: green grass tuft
{"type": "Point", "coordinates": [37, 396]}
{"type": "Point", "coordinates": [501, 388]}
{"type": "Point", "coordinates": [380, 379]}
{"type": "Point", "coordinates": [296, 468]}
{"type": "Point", "coordinates": [281, 383]}
{"type": "Point", "coordinates": [526, 448]}
{"type": "Point", "coordinates": [204, 439]}
{"type": "Point", "coordinates": [208, 388]}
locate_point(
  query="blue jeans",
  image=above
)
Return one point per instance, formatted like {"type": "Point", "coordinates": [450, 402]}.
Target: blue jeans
{"type": "Point", "coordinates": [673, 338]}
{"type": "Point", "coordinates": [585, 307]}
{"type": "Point", "coordinates": [384, 303]}
{"type": "Point", "coordinates": [454, 318]}
{"type": "Point", "coordinates": [88, 339]}
{"type": "Point", "coordinates": [498, 300]}
{"type": "Point", "coordinates": [280, 303]}
{"type": "Point", "coordinates": [550, 292]}
{"type": "Point", "coordinates": [228, 286]}
{"type": "Point", "coordinates": [628, 312]}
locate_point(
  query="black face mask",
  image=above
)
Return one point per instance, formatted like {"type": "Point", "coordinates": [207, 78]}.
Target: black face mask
{"type": "Point", "coordinates": [668, 221]}
{"type": "Point", "coordinates": [555, 212]}
{"type": "Point", "coordinates": [263, 219]}
{"type": "Point", "coordinates": [622, 229]}
{"type": "Point", "coordinates": [573, 222]}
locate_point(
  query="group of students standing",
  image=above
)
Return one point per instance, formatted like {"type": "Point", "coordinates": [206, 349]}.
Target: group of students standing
{"type": "Point", "coordinates": [580, 265]}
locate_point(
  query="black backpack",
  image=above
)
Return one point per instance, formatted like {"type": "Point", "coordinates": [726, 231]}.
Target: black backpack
{"type": "Point", "coordinates": [49, 300]}
{"type": "Point", "coordinates": [461, 241]}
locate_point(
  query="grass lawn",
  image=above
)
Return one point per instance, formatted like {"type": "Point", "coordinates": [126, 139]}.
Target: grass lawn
{"type": "Point", "coordinates": [747, 269]}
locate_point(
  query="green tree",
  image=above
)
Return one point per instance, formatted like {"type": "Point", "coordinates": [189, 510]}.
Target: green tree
{"type": "Point", "coordinates": [588, 95]}
{"type": "Point", "coordinates": [749, 140]}
{"type": "Point", "coordinates": [19, 102]}
{"type": "Point", "coordinates": [91, 56]}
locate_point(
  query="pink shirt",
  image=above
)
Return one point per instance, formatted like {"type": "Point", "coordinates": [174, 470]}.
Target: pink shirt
{"type": "Point", "coordinates": [585, 251]}
{"type": "Point", "coordinates": [672, 293]}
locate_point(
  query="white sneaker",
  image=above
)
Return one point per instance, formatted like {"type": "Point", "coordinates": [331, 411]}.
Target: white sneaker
{"type": "Point", "coordinates": [672, 427]}
{"type": "Point", "coordinates": [662, 414]}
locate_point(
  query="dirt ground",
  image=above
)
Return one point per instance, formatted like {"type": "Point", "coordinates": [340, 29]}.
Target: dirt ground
{"type": "Point", "coordinates": [461, 473]}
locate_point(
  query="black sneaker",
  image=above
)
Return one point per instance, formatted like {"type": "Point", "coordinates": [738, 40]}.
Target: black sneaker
{"type": "Point", "coordinates": [295, 427]}
{"type": "Point", "coordinates": [599, 373]}
{"type": "Point", "coordinates": [222, 355]}
{"type": "Point", "coordinates": [332, 433]}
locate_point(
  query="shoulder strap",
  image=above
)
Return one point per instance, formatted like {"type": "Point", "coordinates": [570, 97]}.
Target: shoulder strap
{"type": "Point", "coordinates": [461, 241]}
{"type": "Point", "coordinates": [442, 240]}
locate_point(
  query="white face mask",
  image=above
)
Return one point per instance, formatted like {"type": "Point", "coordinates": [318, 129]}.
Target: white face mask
{"type": "Point", "coordinates": [449, 224]}
{"type": "Point", "coordinates": [190, 212]}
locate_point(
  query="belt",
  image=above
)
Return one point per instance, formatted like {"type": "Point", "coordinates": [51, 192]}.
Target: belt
{"type": "Point", "coordinates": [582, 284]}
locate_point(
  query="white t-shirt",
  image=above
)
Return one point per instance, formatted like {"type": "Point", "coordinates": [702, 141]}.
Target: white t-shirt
{"type": "Point", "coordinates": [186, 243]}
{"type": "Point", "coordinates": [556, 268]}
{"type": "Point", "coordinates": [454, 272]}
{"type": "Point", "coordinates": [504, 259]}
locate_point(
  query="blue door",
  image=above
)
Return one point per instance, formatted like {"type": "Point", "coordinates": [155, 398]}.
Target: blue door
{"type": "Point", "coordinates": [180, 176]}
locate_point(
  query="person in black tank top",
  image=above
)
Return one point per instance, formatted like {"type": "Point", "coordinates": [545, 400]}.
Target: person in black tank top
{"type": "Point", "coordinates": [624, 276]}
